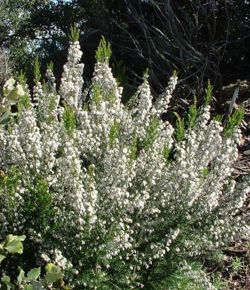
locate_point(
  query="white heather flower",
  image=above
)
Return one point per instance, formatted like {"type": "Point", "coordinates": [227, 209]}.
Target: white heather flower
{"type": "Point", "coordinates": [72, 81]}
{"type": "Point", "coordinates": [38, 94]}
{"type": "Point", "coordinates": [45, 257]}
{"type": "Point", "coordinates": [161, 105]}
{"type": "Point", "coordinates": [107, 190]}
{"type": "Point", "coordinates": [20, 90]}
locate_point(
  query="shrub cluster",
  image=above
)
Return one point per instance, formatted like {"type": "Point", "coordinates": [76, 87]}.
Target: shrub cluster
{"type": "Point", "coordinates": [111, 194]}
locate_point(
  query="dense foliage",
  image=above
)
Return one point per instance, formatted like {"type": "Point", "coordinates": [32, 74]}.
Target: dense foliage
{"type": "Point", "coordinates": [32, 279]}
{"type": "Point", "coordinates": [201, 39]}
{"type": "Point", "coordinates": [114, 196]}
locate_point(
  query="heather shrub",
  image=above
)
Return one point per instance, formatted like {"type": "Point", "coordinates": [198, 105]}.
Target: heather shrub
{"type": "Point", "coordinates": [114, 196]}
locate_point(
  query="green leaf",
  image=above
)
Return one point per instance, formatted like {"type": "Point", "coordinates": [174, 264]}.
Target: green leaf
{"type": "Point", "coordinates": [18, 238]}
{"type": "Point", "coordinates": [151, 133]}
{"type": "Point", "coordinates": [166, 152]}
{"type": "Point", "coordinates": [21, 277]}
{"type": "Point", "coordinates": [192, 114]}
{"type": "Point", "coordinates": [13, 96]}
{"type": "Point", "coordinates": [28, 287]}
{"type": "Point", "coordinates": [37, 285]}
{"type": "Point", "coordinates": [24, 102]}
{"type": "Point", "coordinates": [114, 133]}
{"type": "Point", "coordinates": [15, 247]}
{"type": "Point", "coordinates": [22, 78]}
{"type": "Point", "coordinates": [103, 52]}
{"type": "Point", "coordinates": [53, 273]}
{"type": "Point", "coordinates": [175, 73]}
{"type": "Point", "coordinates": [74, 34]}
{"type": "Point", "coordinates": [6, 280]}
{"type": "Point", "coordinates": [69, 119]}
{"type": "Point", "coordinates": [91, 170]}
{"type": "Point", "coordinates": [50, 66]}
{"type": "Point", "coordinates": [2, 257]}
{"type": "Point", "coordinates": [204, 172]}
{"type": "Point", "coordinates": [180, 127]}
{"type": "Point", "coordinates": [14, 244]}
{"type": "Point", "coordinates": [209, 93]}
{"type": "Point", "coordinates": [96, 96]}
{"type": "Point", "coordinates": [33, 274]}
{"type": "Point", "coordinates": [218, 118]}
{"type": "Point", "coordinates": [37, 70]}
{"type": "Point", "coordinates": [5, 118]}
{"type": "Point", "coordinates": [133, 149]}
{"type": "Point", "coordinates": [3, 109]}
{"type": "Point", "coordinates": [234, 120]}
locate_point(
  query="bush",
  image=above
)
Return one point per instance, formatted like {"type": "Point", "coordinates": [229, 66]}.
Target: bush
{"type": "Point", "coordinates": [201, 39]}
{"type": "Point", "coordinates": [116, 197]}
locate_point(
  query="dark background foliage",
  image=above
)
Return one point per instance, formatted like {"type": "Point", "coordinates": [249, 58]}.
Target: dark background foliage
{"type": "Point", "coordinates": [200, 39]}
